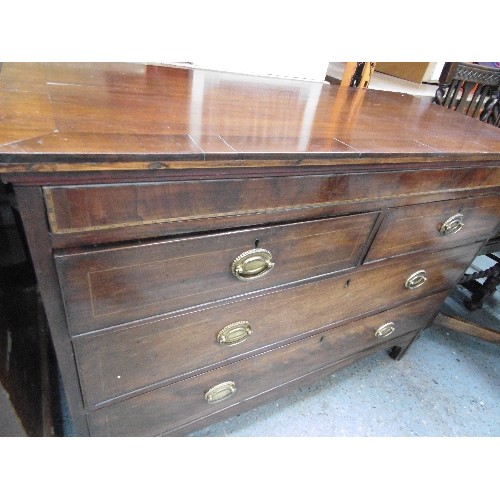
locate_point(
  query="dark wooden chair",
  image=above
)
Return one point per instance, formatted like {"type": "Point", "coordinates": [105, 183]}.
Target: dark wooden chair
{"type": "Point", "coordinates": [480, 292]}
{"type": "Point", "coordinates": [495, 114]}
{"type": "Point", "coordinates": [474, 90]}
{"type": "Point", "coordinates": [471, 89]}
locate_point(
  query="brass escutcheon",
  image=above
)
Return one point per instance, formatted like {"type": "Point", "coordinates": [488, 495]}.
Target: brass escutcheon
{"type": "Point", "coordinates": [416, 279]}
{"type": "Point", "coordinates": [252, 264]}
{"type": "Point", "coordinates": [220, 392]}
{"type": "Point", "coordinates": [452, 225]}
{"type": "Point", "coordinates": [385, 330]}
{"type": "Point", "coordinates": [235, 333]}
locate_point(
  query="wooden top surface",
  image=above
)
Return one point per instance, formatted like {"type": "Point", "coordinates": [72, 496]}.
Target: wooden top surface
{"type": "Point", "coordinates": [79, 112]}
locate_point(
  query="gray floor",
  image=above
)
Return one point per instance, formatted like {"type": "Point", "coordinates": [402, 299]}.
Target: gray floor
{"type": "Point", "coordinates": [10, 425]}
{"type": "Point", "coordinates": [447, 384]}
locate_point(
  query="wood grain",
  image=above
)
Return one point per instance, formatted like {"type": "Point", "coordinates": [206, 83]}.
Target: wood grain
{"type": "Point", "coordinates": [466, 327]}
{"type": "Point", "coordinates": [139, 184]}
{"type": "Point", "coordinates": [213, 203]}
{"type": "Point", "coordinates": [177, 404]}
{"type": "Point", "coordinates": [136, 358]}
{"type": "Point", "coordinates": [102, 287]}
{"type": "Point", "coordinates": [117, 111]}
{"type": "Point", "coordinates": [413, 228]}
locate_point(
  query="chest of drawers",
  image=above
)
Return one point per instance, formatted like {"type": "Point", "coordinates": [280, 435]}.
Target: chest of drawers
{"type": "Point", "coordinates": [205, 242]}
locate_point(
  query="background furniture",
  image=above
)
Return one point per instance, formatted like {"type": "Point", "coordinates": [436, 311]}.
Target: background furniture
{"type": "Point", "coordinates": [205, 242]}
{"type": "Point", "coordinates": [417, 72]}
{"type": "Point", "coordinates": [474, 90]}
{"type": "Point", "coordinates": [336, 71]}
{"type": "Point", "coordinates": [471, 89]}
{"type": "Point", "coordinates": [357, 74]}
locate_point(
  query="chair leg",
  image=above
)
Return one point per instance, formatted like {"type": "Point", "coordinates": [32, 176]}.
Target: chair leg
{"type": "Point", "coordinates": [483, 292]}
{"type": "Point", "coordinates": [467, 327]}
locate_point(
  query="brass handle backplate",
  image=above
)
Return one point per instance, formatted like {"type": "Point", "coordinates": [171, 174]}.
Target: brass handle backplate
{"type": "Point", "coordinates": [252, 264]}
{"type": "Point", "coordinates": [235, 333]}
{"type": "Point", "coordinates": [452, 225]}
{"type": "Point", "coordinates": [220, 392]}
{"type": "Point", "coordinates": [385, 330]}
{"type": "Point", "coordinates": [416, 279]}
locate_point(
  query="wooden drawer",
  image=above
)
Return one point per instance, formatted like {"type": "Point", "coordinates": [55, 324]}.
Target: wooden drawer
{"type": "Point", "coordinates": [163, 409]}
{"type": "Point", "coordinates": [104, 287]}
{"type": "Point", "coordinates": [129, 359]}
{"type": "Point", "coordinates": [417, 227]}
{"type": "Point", "coordinates": [113, 212]}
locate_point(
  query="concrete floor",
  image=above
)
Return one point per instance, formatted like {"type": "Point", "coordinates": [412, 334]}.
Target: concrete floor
{"type": "Point", "coordinates": [447, 384]}
{"type": "Point", "coordinates": [10, 424]}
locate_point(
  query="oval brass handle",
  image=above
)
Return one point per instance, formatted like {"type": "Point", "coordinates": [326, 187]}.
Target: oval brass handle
{"type": "Point", "coordinates": [220, 392]}
{"type": "Point", "coordinates": [252, 264]}
{"type": "Point", "coordinates": [416, 279]}
{"type": "Point", "coordinates": [235, 333]}
{"type": "Point", "coordinates": [385, 330]}
{"type": "Point", "coordinates": [452, 225]}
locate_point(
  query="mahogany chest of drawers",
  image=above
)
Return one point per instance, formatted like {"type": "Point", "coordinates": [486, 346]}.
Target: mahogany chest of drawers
{"type": "Point", "coordinates": [205, 242]}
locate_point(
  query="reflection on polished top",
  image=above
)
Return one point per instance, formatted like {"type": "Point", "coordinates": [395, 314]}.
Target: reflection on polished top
{"type": "Point", "coordinates": [71, 112]}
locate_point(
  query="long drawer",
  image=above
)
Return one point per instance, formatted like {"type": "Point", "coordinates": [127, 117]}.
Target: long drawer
{"type": "Point", "coordinates": [115, 285]}
{"type": "Point", "coordinates": [435, 225]}
{"type": "Point", "coordinates": [128, 359]}
{"type": "Point", "coordinates": [161, 410]}
{"type": "Point", "coordinates": [113, 211]}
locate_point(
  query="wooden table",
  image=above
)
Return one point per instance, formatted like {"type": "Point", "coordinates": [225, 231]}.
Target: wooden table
{"type": "Point", "coordinates": [205, 242]}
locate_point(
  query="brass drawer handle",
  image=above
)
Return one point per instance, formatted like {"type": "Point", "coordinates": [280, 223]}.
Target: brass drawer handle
{"type": "Point", "coordinates": [220, 392]}
{"type": "Point", "coordinates": [385, 330]}
{"type": "Point", "coordinates": [235, 333]}
{"type": "Point", "coordinates": [252, 264]}
{"type": "Point", "coordinates": [416, 279]}
{"type": "Point", "coordinates": [452, 225]}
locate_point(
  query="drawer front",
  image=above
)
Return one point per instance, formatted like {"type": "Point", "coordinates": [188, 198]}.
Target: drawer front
{"type": "Point", "coordinates": [116, 285]}
{"type": "Point", "coordinates": [121, 361]}
{"type": "Point", "coordinates": [197, 205]}
{"type": "Point", "coordinates": [163, 409]}
{"type": "Point", "coordinates": [435, 225]}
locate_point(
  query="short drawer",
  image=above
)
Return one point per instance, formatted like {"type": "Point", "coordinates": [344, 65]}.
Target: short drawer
{"type": "Point", "coordinates": [106, 287]}
{"type": "Point", "coordinates": [132, 358]}
{"type": "Point", "coordinates": [162, 410]}
{"type": "Point", "coordinates": [435, 226]}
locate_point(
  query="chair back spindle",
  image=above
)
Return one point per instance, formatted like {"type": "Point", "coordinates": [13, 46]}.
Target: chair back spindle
{"type": "Point", "coordinates": [471, 89]}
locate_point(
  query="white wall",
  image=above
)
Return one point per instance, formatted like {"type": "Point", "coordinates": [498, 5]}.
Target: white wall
{"type": "Point", "coordinates": [300, 69]}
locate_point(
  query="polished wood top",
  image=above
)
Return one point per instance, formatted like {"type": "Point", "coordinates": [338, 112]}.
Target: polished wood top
{"type": "Point", "coordinates": [84, 113]}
